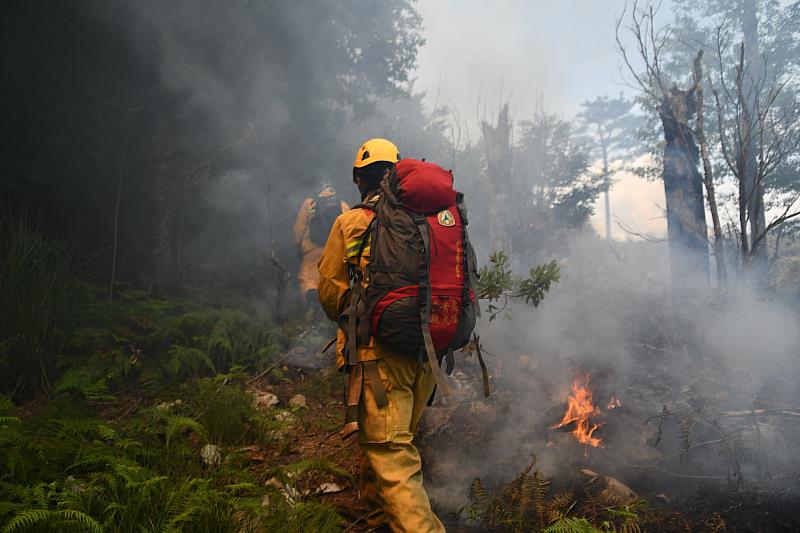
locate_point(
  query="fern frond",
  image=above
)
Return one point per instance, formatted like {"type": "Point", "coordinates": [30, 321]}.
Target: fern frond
{"type": "Point", "coordinates": [478, 494]}
{"type": "Point", "coordinates": [177, 424]}
{"type": "Point", "coordinates": [560, 506]}
{"type": "Point", "coordinates": [314, 464]}
{"type": "Point", "coordinates": [6, 405]}
{"type": "Point", "coordinates": [239, 487]}
{"type": "Point", "coordinates": [30, 518]}
{"type": "Point", "coordinates": [193, 359]}
{"type": "Point", "coordinates": [630, 526]}
{"type": "Point", "coordinates": [539, 487]}
{"type": "Point", "coordinates": [106, 433]}
{"type": "Point", "coordinates": [27, 519]}
{"type": "Point", "coordinates": [571, 525]}
{"type": "Point", "coordinates": [82, 519]}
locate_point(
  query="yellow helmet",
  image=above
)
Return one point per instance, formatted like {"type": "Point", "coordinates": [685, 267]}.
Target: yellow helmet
{"type": "Point", "coordinates": [375, 150]}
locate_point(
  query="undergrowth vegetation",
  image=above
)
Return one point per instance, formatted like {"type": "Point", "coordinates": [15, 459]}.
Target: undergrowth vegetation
{"type": "Point", "coordinates": [88, 460]}
{"type": "Point", "coordinates": [133, 415]}
{"type": "Point", "coordinates": [41, 302]}
{"type": "Point", "coordinates": [526, 504]}
{"type": "Point", "coordinates": [65, 468]}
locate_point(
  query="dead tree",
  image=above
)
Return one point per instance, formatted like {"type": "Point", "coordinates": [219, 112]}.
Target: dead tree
{"type": "Point", "coordinates": [708, 174]}
{"type": "Point", "coordinates": [758, 135]}
{"type": "Point", "coordinates": [683, 188]}
{"type": "Point", "coordinates": [497, 142]}
{"type": "Point", "coordinates": [753, 188]}
{"type": "Point", "coordinates": [683, 184]}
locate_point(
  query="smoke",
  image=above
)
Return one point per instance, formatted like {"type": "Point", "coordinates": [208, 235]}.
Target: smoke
{"type": "Point", "coordinates": [260, 106]}
{"type": "Point", "coordinates": [614, 315]}
{"type": "Point", "coordinates": [254, 104]}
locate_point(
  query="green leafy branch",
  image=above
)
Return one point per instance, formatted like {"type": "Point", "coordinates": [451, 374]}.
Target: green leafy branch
{"type": "Point", "coordinates": [496, 282]}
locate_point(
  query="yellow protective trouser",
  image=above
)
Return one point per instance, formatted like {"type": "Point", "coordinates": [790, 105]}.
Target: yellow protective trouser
{"type": "Point", "coordinates": [391, 468]}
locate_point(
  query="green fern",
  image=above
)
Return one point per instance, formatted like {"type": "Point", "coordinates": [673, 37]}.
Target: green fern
{"type": "Point", "coordinates": [35, 518]}
{"type": "Point", "coordinates": [85, 382]}
{"type": "Point", "coordinates": [303, 517]}
{"type": "Point", "coordinates": [106, 433]}
{"type": "Point", "coordinates": [177, 424]}
{"type": "Point", "coordinates": [6, 405]}
{"type": "Point", "coordinates": [183, 360]}
{"type": "Point", "coordinates": [572, 525]}
{"type": "Point", "coordinates": [626, 517]}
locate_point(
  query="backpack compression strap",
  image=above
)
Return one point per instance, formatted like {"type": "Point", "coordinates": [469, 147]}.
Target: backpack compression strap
{"type": "Point", "coordinates": [358, 369]}
{"type": "Point", "coordinates": [425, 308]}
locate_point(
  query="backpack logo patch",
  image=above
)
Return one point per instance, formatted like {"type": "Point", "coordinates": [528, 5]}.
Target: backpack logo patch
{"type": "Point", "coordinates": [446, 218]}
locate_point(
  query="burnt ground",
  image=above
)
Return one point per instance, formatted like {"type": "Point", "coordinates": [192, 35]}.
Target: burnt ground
{"type": "Point", "coordinates": [455, 433]}
{"type": "Point", "coordinates": [699, 464]}
{"type": "Point", "coordinates": [696, 470]}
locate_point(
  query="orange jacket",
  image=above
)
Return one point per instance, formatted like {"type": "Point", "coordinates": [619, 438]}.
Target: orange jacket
{"type": "Point", "coordinates": [302, 225]}
{"type": "Point", "coordinates": [340, 251]}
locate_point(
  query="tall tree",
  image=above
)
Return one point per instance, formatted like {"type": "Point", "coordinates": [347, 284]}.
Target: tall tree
{"type": "Point", "coordinates": [554, 192]}
{"type": "Point", "coordinates": [612, 126]}
{"type": "Point", "coordinates": [179, 87]}
{"type": "Point", "coordinates": [756, 43]}
{"type": "Point", "coordinates": [683, 184]}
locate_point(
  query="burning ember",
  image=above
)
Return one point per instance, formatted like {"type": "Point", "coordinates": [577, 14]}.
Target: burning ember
{"type": "Point", "coordinates": [579, 409]}
{"type": "Point", "coordinates": [613, 403]}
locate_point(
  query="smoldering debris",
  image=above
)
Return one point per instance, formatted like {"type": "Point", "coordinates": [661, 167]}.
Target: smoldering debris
{"type": "Point", "coordinates": [674, 400]}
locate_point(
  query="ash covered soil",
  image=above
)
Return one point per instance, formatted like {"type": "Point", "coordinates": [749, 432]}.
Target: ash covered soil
{"type": "Point", "coordinates": [643, 474]}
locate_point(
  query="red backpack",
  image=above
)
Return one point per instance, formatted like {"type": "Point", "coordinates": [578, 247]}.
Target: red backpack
{"type": "Point", "coordinates": [419, 298]}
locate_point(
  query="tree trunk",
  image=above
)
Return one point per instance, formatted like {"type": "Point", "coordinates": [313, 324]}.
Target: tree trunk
{"type": "Point", "coordinates": [708, 174]}
{"type": "Point", "coordinates": [166, 272]}
{"type": "Point", "coordinates": [606, 187]}
{"type": "Point", "coordinates": [683, 188]}
{"type": "Point", "coordinates": [754, 189]}
{"type": "Point", "coordinates": [497, 141]}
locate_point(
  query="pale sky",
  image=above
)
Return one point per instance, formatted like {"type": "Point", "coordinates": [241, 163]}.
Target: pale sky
{"type": "Point", "coordinates": [560, 51]}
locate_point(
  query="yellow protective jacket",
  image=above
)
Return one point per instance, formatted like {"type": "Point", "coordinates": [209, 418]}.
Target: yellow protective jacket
{"type": "Point", "coordinates": [307, 277]}
{"type": "Point", "coordinates": [341, 251]}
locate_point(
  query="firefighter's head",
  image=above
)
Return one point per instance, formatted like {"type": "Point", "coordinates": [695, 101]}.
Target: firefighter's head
{"type": "Point", "coordinates": [373, 160]}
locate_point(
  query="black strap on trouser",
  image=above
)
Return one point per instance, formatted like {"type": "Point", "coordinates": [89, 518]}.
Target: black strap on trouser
{"type": "Point", "coordinates": [355, 390]}
{"type": "Point", "coordinates": [425, 308]}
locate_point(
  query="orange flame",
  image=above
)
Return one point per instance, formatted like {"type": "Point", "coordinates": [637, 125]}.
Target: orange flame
{"type": "Point", "coordinates": [579, 409]}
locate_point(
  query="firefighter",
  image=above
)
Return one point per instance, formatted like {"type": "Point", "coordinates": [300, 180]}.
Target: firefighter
{"type": "Point", "coordinates": [311, 228]}
{"type": "Point", "coordinates": [391, 468]}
